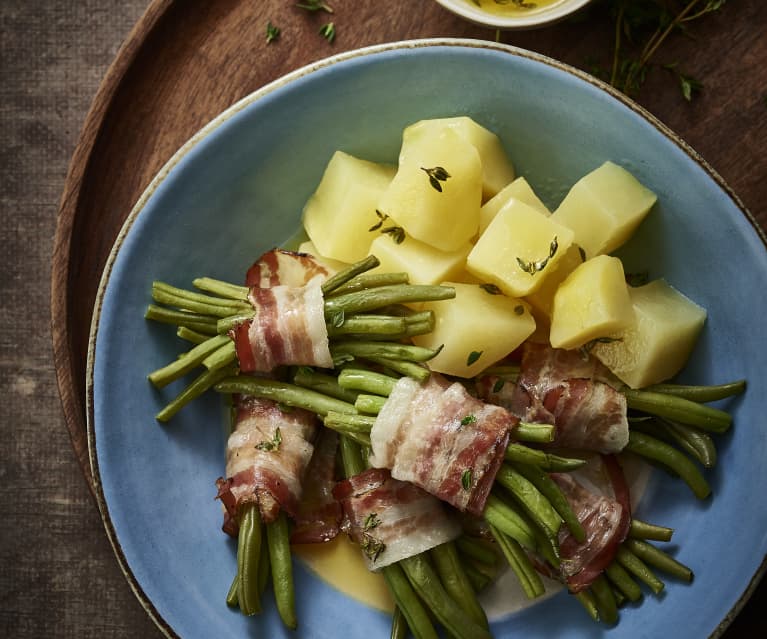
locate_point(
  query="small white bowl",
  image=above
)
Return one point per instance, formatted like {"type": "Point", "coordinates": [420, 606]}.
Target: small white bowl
{"type": "Point", "coordinates": [533, 18]}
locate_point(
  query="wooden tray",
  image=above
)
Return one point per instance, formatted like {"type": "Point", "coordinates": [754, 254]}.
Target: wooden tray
{"type": "Point", "coordinates": [184, 62]}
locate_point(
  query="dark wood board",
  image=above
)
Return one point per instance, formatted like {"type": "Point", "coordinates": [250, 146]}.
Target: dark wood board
{"type": "Point", "coordinates": [185, 61]}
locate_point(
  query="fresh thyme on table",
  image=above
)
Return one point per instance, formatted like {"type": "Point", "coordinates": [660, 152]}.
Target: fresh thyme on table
{"type": "Point", "coordinates": [315, 5]}
{"type": "Point", "coordinates": [272, 32]}
{"type": "Point", "coordinates": [641, 27]}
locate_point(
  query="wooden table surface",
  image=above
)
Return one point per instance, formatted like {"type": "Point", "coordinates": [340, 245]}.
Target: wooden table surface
{"type": "Point", "coordinates": [58, 576]}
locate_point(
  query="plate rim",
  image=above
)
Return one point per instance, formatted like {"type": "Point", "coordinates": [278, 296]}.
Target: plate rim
{"type": "Point", "coordinates": [215, 123]}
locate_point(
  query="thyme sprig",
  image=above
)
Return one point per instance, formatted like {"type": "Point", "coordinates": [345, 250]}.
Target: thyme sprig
{"type": "Point", "coordinates": [272, 32]}
{"type": "Point", "coordinates": [534, 266]}
{"type": "Point", "coordinates": [437, 175]}
{"type": "Point", "coordinates": [315, 5]}
{"type": "Point", "coordinates": [273, 444]}
{"type": "Point", "coordinates": [642, 26]}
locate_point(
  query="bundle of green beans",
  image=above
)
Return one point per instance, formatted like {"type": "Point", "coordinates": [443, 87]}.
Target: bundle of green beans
{"type": "Point", "coordinates": [525, 508]}
{"type": "Point", "coordinates": [672, 426]}
{"type": "Point", "coordinates": [354, 301]}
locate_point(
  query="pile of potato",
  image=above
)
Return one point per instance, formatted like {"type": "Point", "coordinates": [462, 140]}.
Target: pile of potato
{"type": "Point", "coordinates": [453, 212]}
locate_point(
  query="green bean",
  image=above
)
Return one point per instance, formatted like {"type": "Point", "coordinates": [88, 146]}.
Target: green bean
{"type": "Point", "coordinates": [323, 383]}
{"type": "Point", "coordinates": [278, 540]}
{"type": "Point", "coordinates": [505, 371]}
{"type": "Point", "coordinates": [191, 336]}
{"type": "Point", "coordinates": [696, 443]}
{"type": "Point", "coordinates": [221, 288]}
{"type": "Point", "coordinates": [529, 579]}
{"type": "Point", "coordinates": [368, 325]}
{"type": "Point", "coordinates": [659, 559]}
{"type": "Point", "coordinates": [534, 433]}
{"type": "Point", "coordinates": [399, 627]}
{"type": "Point", "coordinates": [370, 404]}
{"type": "Point", "coordinates": [499, 515]}
{"type": "Point", "coordinates": [226, 324]}
{"type": "Point", "coordinates": [535, 504]}
{"type": "Point", "coordinates": [549, 488]}
{"type": "Point", "coordinates": [679, 409]}
{"type": "Point", "coordinates": [416, 615]}
{"type": "Point", "coordinates": [586, 599]}
{"type": "Point", "coordinates": [351, 457]}
{"type": "Point", "coordinates": [370, 280]}
{"type": "Point", "coordinates": [479, 580]}
{"type": "Point", "coordinates": [642, 530]}
{"type": "Point", "coordinates": [403, 367]}
{"type": "Point", "coordinates": [197, 387]}
{"type": "Point", "coordinates": [605, 600]}
{"type": "Point", "coordinates": [232, 599]}
{"type": "Point", "coordinates": [623, 581]}
{"type": "Point", "coordinates": [264, 569]}
{"type": "Point", "coordinates": [221, 357]}
{"type": "Point", "coordinates": [188, 361]}
{"type": "Point", "coordinates": [249, 542]}
{"type": "Point", "coordinates": [375, 298]}
{"type": "Point", "coordinates": [386, 350]}
{"type": "Point", "coordinates": [340, 278]}
{"type": "Point", "coordinates": [656, 450]}
{"type": "Point", "coordinates": [366, 381]}
{"type": "Point", "coordinates": [700, 393]}
{"type": "Point", "coordinates": [196, 302]}
{"type": "Point", "coordinates": [426, 584]}
{"type": "Point", "coordinates": [284, 393]}
{"type": "Point", "coordinates": [541, 459]}
{"type": "Point", "coordinates": [456, 583]}
{"type": "Point", "coordinates": [477, 549]}
{"type": "Point", "coordinates": [357, 427]}
{"type": "Point", "coordinates": [639, 569]}
{"type": "Point", "coordinates": [195, 321]}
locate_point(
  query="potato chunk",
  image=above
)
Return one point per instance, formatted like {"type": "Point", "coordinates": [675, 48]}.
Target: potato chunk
{"type": "Point", "coordinates": [519, 189]}
{"type": "Point", "coordinates": [497, 169]}
{"type": "Point", "coordinates": [476, 329]}
{"type": "Point", "coordinates": [658, 342]}
{"type": "Point", "coordinates": [424, 263]}
{"type": "Point", "coordinates": [342, 209]}
{"type": "Point", "coordinates": [519, 248]}
{"type": "Point", "coordinates": [604, 208]}
{"type": "Point", "coordinates": [591, 303]}
{"type": "Point", "coordinates": [437, 191]}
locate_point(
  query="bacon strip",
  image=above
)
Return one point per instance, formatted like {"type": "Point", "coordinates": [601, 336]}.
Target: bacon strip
{"type": "Point", "coordinates": [319, 514]}
{"type": "Point", "coordinates": [391, 519]}
{"type": "Point", "coordinates": [288, 268]}
{"type": "Point", "coordinates": [441, 439]}
{"type": "Point", "coordinates": [266, 457]}
{"type": "Point", "coordinates": [565, 389]}
{"type": "Point", "coordinates": [605, 521]}
{"type": "Point", "coordinates": [289, 328]}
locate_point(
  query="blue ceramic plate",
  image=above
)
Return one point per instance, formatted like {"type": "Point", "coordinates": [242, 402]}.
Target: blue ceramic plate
{"type": "Point", "coordinates": [237, 189]}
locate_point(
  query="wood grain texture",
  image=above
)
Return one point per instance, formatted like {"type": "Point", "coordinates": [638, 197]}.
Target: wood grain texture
{"type": "Point", "coordinates": [185, 61]}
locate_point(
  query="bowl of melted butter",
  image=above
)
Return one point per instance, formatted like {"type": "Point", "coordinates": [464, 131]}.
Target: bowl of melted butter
{"type": "Point", "coordinates": [513, 14]}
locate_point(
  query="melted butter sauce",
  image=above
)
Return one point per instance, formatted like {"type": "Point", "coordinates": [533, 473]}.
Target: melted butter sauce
{"type": "Point", "coordinates": [511, 8]}
{"type": "Point", "coordinates": [339, 563]}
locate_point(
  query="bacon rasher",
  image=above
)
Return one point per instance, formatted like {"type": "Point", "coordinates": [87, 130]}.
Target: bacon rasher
{"type": "Point", "coordinates": [392, 519]}
{"type": "Point", "coordinates": [438, 437]}
{"type": "Point", "coordinates": [289, 324]}
{"type": "Point", "coordinates": [569, 390]}
{"type": "Point", "coordinates": [605, 518]}
{"type": "Point", "coordinates": [266, 458]}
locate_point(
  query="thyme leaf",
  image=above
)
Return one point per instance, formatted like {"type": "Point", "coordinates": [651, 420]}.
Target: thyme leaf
{"type": "Point", "coordinates": [473, 357]}
{"type": "Point", "coordinates": [273, 444]}
{"type": "Point", "coordinates": [437, 175]}
{"type": "Point", "coordinates": [490, 288]}
{"type": "Point", "coordinates": [397, 233]}
{"type": "Point", "coordinates": [589, 346]}
{"type": "Point", "coordinates": [534, 266]}
{"type": "Point", "coordinates": [272, 32]}
{"type": "Point", "coordinates": [328, 31]}
{"type": "Point", "coordinates": [372, 547]}
{"type": "Point", "coordinates": [371, 521]}
{"type": "Point", "coordinates": [468, 419]}
{"type": "Point", "coordinates": [466, 478]}
{"type": "Point", "coordinates": [499, 384]}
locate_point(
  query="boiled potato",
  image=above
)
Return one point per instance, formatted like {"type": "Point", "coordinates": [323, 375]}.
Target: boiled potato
{"type": "Point", "coordinates": [519, 248]}
{"type": "Point", "coordinates": [604, 208]}
{"type": "Point", "coordinates": [497, 169]}
{"type": "Point", "coordinates": [424, 263]}
{"type": "Point", "coordinates": [437, 191]}
{"type": "Point", "coordinates": [591, 303]}
{"type": "Point", "coordinates": [342, 209]}
{"type": "Point", "coordinates": [656, 345]}
{"type": "Point", "coordinates": [476, 329]}
{"type": "Point", "coordinates": [519, 189]}
{"type": "Point", "coordinates": [332, 265]}
{"type": "Point", "coordinates": [542, 299]}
